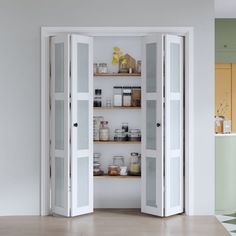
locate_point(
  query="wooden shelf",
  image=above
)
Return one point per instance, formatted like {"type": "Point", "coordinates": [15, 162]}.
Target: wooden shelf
{"type": "Point", "coordinates": [115, 107]}
{"type": "Point", "coordinates": [118, 75]}
{"type": "Point", "coordinates": [117, 177]}
{"type": "Point", "coordinates": [117, 142]}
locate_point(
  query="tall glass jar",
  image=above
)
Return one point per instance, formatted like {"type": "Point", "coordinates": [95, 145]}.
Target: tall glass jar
{"type": "Point", "coordinates": [104, 131]}
{"type": "Point", "coordinates": [135, 164]}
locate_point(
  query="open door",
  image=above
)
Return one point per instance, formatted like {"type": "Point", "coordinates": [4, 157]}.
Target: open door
{"type": "Point", "coordinates": [152, 130]}
{"type": "Point", "coordinates": [82, 124]}
{"type": "Point", "coordinates": [71, 125]}
{"type": "Point", "coordinates": [60, 125]}
{"type": "Point", "coordinates": [174, 125]}
{"type": "Point", "coordinates": [162, 142]}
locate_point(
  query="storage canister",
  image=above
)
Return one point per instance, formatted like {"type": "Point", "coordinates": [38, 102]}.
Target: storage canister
{"type": "Point", "coordinates": [117, 96]}
{"type": "Point", "coordinates": [127, 96]}
{"type": "Point", "coordinates": [104, 131]}
{"type": "Point", "coordinates": [136, 97]}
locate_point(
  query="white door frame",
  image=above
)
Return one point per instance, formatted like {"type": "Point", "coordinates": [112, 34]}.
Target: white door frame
{"type": "Point", "coordinates": [46, 32]}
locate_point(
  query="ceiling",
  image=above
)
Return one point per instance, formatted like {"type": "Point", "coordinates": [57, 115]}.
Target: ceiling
{"type": "Point", "coordinates": [225, 8]}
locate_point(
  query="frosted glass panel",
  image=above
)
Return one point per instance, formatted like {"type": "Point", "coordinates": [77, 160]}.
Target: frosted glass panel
{"type": "Point", "coordinates": [59, 68]}
{"type": "Point", "coordinates": [83, 127]}
{"type": "Point", "coordinates": [151, 67]}
{"type": "Point", "coordinates": [59, 182]}
{"type": "Point", "coordinates": [175, 67]}
{"type": "Point", "coordinates": [83, 67]}
{"type": "Point", "coordinates": [83, 181]}
{"type": "Point", "coordinates": [151, 125]}
{"type": "Point", "coordinates": [151, 181]}
{"type": "Point", "coordinates": [174, 182]}
{"type": "Point", "coordinates": [59, 125]}
{"type": "Point", "coordinates": [175, 124]}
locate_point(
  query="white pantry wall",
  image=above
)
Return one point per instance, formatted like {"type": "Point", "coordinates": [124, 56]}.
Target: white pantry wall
{"type": "Point", "coordinates": [20, 23]}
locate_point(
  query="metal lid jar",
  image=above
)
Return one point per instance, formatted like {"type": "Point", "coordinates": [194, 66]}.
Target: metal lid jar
{"type": "Point", "coordinates": [134, 135]}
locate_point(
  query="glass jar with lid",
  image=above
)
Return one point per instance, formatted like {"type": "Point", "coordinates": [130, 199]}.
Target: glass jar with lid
{"type": "Point", "coordinates": [135, 164]}
{"type": "Point", "coordinates": [118, 161]}
{"type": "Point", "coordinates": [127, 91]}
{"type": "Point", "coordinates": [102, 68]}
{"type": "Point", "coordinates": [104, 131]}
{"type": "Point", "coordinates": [134, 135]}
{"type": "Point", "coordinates": [119, 135]}
{"type": "Point", "coordinates": [117, 90]}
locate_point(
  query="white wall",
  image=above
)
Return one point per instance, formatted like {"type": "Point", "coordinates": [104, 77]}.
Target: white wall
{"type": "Point", "coordinates": [20, 23]}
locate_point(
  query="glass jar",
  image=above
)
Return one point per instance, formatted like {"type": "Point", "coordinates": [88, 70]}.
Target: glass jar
{"type": "Point", "coordinates": [135, 164]}
{"type": "Point", "coordinates": [95, 68]}
{"type": "Point", "coordinates": [136, 97]}
{"type": "Point", "coordinates": [117, 96]}
{"type": "Point", "coordinates": [134, 135]}
{"type": "Point", "coordinates": [219, 121]}
{"type": "Point", "coordinates": [125, 126]}
{"type": "Point", "coordinates": [139, 66]}
{"type": "Point", "coordinates": [102, 68]}
{"type": "Point", "coordinates": [119, 135]}
{"type": "Point", "coordinates": [96, 157]}
{"type": "Point", "coordinates": [127, 96]}
{"type": "Point", "coordinates": [104, 131]}
{"type": "Point", "coordinates": [96, 127]}
{"type": "Point", "coordinates": [113, 170]}
{"type": "Point", "coordinates": [118, 161]}
{"type": "Point", "coordinates": [97, 98]}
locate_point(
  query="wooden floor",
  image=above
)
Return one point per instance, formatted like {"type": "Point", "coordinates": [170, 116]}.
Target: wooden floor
{"type": "Point", "coordinates": [111, 223]}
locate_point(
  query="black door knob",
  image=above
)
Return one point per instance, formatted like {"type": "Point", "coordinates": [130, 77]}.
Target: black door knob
{"type": "Point", "coordinates": [75, 124]}
{"type": "Point", "coordinates": [158, 124]}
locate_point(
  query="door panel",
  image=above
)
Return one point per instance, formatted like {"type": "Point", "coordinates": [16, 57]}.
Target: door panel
{"type": "Point", "coordinates": [152, 131]}
{"type": "Point", "coordinates": [82, 129]}
{"type": "Point", "coordinates": [60, 125]}
{"type": "Point", "coordinates": [173, 125]}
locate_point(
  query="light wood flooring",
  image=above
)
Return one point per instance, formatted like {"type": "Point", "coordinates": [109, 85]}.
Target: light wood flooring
{"type": "Point", "coordinates": [111, 223]}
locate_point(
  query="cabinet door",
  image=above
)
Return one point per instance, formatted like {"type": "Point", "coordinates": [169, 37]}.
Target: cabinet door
{"type": "Point", "coordinates": [60, 125]}
{"type": "Point", "coordinates": [152, 130]}
{"type": "Point", "coordinates": [174, 147]}
{"type": "Point", "coordinates": [82, 124]}
{"type": "Point", "coordinates": [223, 78]}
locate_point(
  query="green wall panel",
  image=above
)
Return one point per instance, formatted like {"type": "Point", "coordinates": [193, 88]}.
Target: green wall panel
{"type": "Point", "coordinates": [225, 41]}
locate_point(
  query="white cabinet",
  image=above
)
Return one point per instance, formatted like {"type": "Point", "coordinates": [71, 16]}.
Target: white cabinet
{"type": "Point", "coordinates": [159, 191]}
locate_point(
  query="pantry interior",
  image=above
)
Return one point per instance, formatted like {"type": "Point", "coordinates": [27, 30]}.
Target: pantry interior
{"type": "Point", "coordinates": [157, 122]}
{"type": "Point", "coordinates": [117, 191]}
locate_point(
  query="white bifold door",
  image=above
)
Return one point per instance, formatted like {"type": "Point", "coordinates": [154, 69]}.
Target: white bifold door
{"type": "Point", "coordinates": [162, 131]}
{"type": "Point", "coordinates": [71, 125]}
